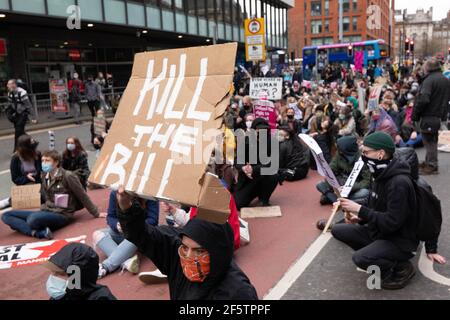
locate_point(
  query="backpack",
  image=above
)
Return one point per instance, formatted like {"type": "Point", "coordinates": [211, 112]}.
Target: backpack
{"type": "Point", "coordinates": [429, 213]}
{"type": "Point", "coordinates": [11, 110]}
{"type": "Point", "coordinates": [75, 93]}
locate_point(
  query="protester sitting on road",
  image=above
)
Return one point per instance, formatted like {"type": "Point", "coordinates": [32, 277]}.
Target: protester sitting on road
{"type": "Point", "coordinates": [294, 156]}
{"type": "Point", "coordinates": [342, 165]}
{"type": "Point", "coordinates": [61, 285]}
{"type": "Point", "coordinates": [102, 123]}
{"type": "Point", "coordinates": [247, 107]}
{"type": "Point", "coordinates": [198, 260]}
{"type": "Point", "coordinates": [111, 241]}
{"type": "Point", "coordinates": [64, 195]}
{"type": "Point", "coordinates": [25, 166]}
{"type": "Point", "coordinates": [249, 118]}
{"type": "Point", "coordinates": [345, 124]}
{"type": "Point", "coordinates": [75, 159]}
{"type": "Point", "coordinates": [98, 144]}
{"type": "Point", "coordinates": [291, 122]}
{"type": "Point", "coordinates": [383, 232]}
{"type": "Point", "coordinates": [381, 121]}
{"type": "Point", "coordinates": [251, 183]}
{"type": "Point", "coordinates": [410, 133]}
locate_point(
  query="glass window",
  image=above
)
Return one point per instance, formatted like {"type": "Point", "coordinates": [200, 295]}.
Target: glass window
{"type": "Point", "coordinates": [236, 33]}
{"type": "Point", "coordinates": [346, 5]}
{"type": "Point", "coordinates": [355, 23]}
{"type": "Point", "coordinates": [91, 9]}
{"type": "Point", "coordinates": [203, 27]}
{"type": "Point", "coordinates": [37, 54]}
{"type": "Point", "coordinates": [316, 26]}
{"type": "Point", "coordinates": [181, 22]}
{"type": "Point", "coordinates": [327, 25]}
{"type": "Point", "coordinates": [136, 14]}
{"type": "Point", "coordinates": [316, 8]}
{"type": "Point", "coordinates": [4, 4]}
{"type": "Point", "coordinates": [346, 24]}
{"type": "Point", "coordinates": [355, 5]}
{"type": "Point", "coordinates": [59, 7]}
{"type": "Point", "coordinates": [229, 32]}
{"type": "Point", "coordinates": [328, 41]}
{"type": "Point", "coordinates": [115, 11]}
{"type": "Point", "coordinates": [317, 42]}
{"type": "Point", "coordinates": [309, 52]}
{"type": "Point", "coordinates": [119, 54]}
{"type": "Point", "coordinates": [337, 50]}
{"type": "Point", "coordinates": [58, 54]}
{"type": "Point", "coordinates": [167, 18]}
{"type": "Point", "coordinates": [39, 79]}
{"type": "Point", "coordinates": [219, 10]}
{"type": "Point", "coordinates": [192, 25]}
{"type": "Point", "coordinates": [327, 7]}
{"type": "Point", "coordinates": [211, 28]}
{"type": "Point", "coordinates": [153, 17]}
{"type": "Point", "coordinates": [32, 6]}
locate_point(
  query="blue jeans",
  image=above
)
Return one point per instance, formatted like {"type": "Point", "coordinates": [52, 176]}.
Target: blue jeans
{"type": "Point", "coordinates": [412, 143]}
{"type": "Point", "coordinates": [116, 248]}
{"type": "Point", "coordinates": [359, 196]}
{"type": "Point", "coordinates": [27, 221]}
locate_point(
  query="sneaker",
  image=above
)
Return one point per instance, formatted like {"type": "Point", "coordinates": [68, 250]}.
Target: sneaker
{"type": "Point", "coordinates": [5, 203]}
{"type": "Point", "coordinates": [324, 200]}
{"type": "Point", "coordinates": [102, 271]}
{"type": "Point", "coordinates": [132, 264]}
{"type": "Point", "coordinates": [152, 277]}
{"type": "Point", "coordinates": [428, 170]}
{"type": "Point", "coordinates": [47, 234]}
{"type": "Point", "coordinates": [322, 223]}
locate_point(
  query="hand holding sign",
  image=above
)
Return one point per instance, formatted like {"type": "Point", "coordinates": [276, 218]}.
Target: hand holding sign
{"type": "Point", "coordinates": [349, 205]}
{"type": "Point", "coordinates": [124, 200]}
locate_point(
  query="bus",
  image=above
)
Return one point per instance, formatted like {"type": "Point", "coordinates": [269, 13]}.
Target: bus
{"type": "Point", "coordinates": [320, 56]}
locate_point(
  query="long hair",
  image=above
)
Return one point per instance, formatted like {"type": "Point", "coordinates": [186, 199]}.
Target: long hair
{"type": "Point", "coordinates": [25, 149]}
{"type": "Point", "coordinates": [78, 148]}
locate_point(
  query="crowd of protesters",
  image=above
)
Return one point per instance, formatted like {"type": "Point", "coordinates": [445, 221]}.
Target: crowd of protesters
{"type": "Point", "coordinates": [195, 256]}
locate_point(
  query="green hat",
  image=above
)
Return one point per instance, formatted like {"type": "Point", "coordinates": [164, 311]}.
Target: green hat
{"type": "Point", "coordinates": [380, 141]}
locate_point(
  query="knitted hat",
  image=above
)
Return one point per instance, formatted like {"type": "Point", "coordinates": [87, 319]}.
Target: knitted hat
{"type": "Point", "coordinates": [380, 141]}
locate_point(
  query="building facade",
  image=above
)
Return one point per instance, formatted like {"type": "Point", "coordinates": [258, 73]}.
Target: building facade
{"type": "Point", "coordinates": [316, 22]}
{"type": "Point", "coordinates": [40, 45]}
{"type": "Point", "coordinates": [441, 37]}
{"type": "Point", "coordinates": [418, 27]}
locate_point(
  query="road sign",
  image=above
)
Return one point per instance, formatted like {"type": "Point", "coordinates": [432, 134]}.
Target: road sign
{"type": "Point", "coordinates": [255, 47]}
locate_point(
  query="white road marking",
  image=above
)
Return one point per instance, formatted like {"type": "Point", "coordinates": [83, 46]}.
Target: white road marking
{"type": "Point", "coordinates": [4, 172]}
{"type": "Point", "coordinates": [426, 267]}
{"type": "Point", "coordinates": [296, 270]}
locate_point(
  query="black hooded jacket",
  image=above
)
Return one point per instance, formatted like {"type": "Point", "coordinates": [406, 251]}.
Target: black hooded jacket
{"type": "Point", "coordinates": [83, 256]}
{"type": "Point", "coordinates": [390, 214]}
{"type": "Point", "coordinates": [226, 280]}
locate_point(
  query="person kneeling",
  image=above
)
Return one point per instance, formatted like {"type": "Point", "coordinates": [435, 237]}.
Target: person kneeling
{"type": "Point", "coordinates": [383, 233]}
{"type": "Point", "coordinates": [64, 195]}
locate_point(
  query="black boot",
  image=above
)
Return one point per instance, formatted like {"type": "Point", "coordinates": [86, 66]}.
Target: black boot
{"type": "Point", "coordinates": [399, 277]}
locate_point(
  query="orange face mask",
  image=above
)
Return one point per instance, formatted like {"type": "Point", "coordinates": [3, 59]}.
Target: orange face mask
{"type": "Point", "coordinates": [197, 268]}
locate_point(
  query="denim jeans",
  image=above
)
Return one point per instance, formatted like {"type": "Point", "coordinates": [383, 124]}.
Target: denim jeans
{"type": "Point", "coordinates": [359, 196]}
{"type": "Point", "coordinates": [116, 248]}
{"type": "Point", "coordinates": [27, 221]}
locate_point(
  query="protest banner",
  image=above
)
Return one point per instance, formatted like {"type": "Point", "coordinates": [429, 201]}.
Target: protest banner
{"type": "Point", "coordinates": [361, 97]}
{"type": "Point", "coordinates": [265, 109]}
{"type": "Point", "coordinates": [27, 254]}
{"type": "Point", "coordinates": [26, 197]}
{"type": "Point", "coordinates": [272, 86]}
{"type": "Point", "coordinates": [444, 141]}
{"type": "Point", "coordinates": [374, 97]}
{"type": "Point", "coordinates": [322, 166]}
{"type": "Point", "coordinates": [172, 98]}
{"type": "Point", "coordinates": [99, 126]}
{"type": "Point", "coordinates": [347, 188]}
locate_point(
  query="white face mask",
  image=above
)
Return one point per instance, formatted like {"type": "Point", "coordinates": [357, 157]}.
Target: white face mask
{"type": "Point", "coordinates": [248, 124]}
{"type": "Point", "coordinates": [56, 287]}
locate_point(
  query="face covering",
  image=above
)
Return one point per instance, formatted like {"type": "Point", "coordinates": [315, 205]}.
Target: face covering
{"type": "Point", "coordinates": [71, 146]}
{"type": "Point", "coordinates": [195, 269]}
{"type": "Point", "coordinates": [97, 146]}
{"type": "Point", "coordinates": [376, 167]}
{"type": "Point", "coordinates": [290, 116]}
{"type": "Point", "coordinates": [342, 117]}
{"type": "Point", "coordinates": [47, 167]}
{"type": "Point", "coordinates": [248, 124]}
{"type": "Point", "coordinates": [56, 287]}
{"type": "Point", "coordinates": [376, 117]}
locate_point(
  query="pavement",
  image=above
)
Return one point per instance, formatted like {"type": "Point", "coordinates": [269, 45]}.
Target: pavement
{"type": "Point", "coordinates": [287, 258]}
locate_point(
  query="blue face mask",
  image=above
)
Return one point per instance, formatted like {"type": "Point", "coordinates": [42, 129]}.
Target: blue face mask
{"type": "Point", "coordinates": [71, 146]}
{"type": "Point", "coordinates": [47, 167]}
{"type": "Point", "coordinates": [56, 287]}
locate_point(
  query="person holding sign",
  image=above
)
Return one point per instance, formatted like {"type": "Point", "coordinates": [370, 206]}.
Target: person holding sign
{"type": "Point", "coordinates": [64, 195]}
{"type": "Point", "coordinates": [383, 232]}
{"type": "Point", "coordinates": [198, 260]}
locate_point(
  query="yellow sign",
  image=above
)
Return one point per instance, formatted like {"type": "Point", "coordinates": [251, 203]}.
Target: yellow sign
{"type": "Point", "coordinates": [255, 44]}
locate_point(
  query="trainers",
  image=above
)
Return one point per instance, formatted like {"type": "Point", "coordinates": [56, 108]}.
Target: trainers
{"type": "Point", "coordinates": [322, 223]}
{"type": "Point", "coordinates": [152, 277]}
{"type": "Point", "coordinates": [47, 234]}
{"type": "Point", "coordinates": [102, 271]}
{"type": "Point", "coordinates": [132, 264]}
{"type": "Point", "coordinates": [324, 200]}
{"type": "Point", "coordinates": [428, 170]}
{"type": "Point", "coordinates": [5, 203]}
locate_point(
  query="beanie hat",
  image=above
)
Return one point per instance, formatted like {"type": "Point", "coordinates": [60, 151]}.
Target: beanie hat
{"type": "Point", "coordinates": [380, 141]}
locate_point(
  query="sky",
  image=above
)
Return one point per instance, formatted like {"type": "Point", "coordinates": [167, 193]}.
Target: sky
{"type": "Point", "coordinates": [440, 7]}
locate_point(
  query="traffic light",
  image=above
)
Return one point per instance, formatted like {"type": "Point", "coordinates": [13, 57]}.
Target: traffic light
{"type": "Point", "coordinates": [350, 51]}
{"type": "Point", "coordinates": [449, 51]}
{"type": "Point", "coordinates": [407, 45]}
{"type": "Point", "coordinates": [411, 45]}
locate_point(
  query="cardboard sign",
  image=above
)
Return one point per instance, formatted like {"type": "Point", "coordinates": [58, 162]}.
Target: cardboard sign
{"type": "Point", "coordinates": [26, 197]}
{"type": "Point", "coordinates": [156, 146]}
{"type": "Point", "coordinates": [265, 109]}
{"type": "Point", "coordinates": [323, 167]}
{"type": "Point", "coordinates": [272, 86]}
{"type": "Point", "coordinates": [99, 126]}
{"type": "Point", "coordinates": [347, 189]}
{"type": "Point", "coordinates": [19, 255]}
{"type": "Point", "coordinates": [374, 97]}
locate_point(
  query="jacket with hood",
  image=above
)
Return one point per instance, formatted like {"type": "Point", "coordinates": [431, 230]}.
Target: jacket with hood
{"type": "Point", "coordinates": [433, 97]}
{"type": "Point", "coordinates": [343, 162]}
{"type": "Point", "coordinates": [293, 155]}
{"type": "Point", "coordinates": [390, 214]}
{"type": "Point", "coordinates": [83, 256]}
{"type": "Point", "coordinates": [226, 280]}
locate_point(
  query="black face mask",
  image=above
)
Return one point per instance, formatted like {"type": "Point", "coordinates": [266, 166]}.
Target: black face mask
{"type": "Point", "coordinates": [290, 116]}
{"type": "Point", "coordinates": [376, 167]}
{"type": "Point", "coordinates": [34, 145]}
{"type": "Point", "coordinates": [97, 147]}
